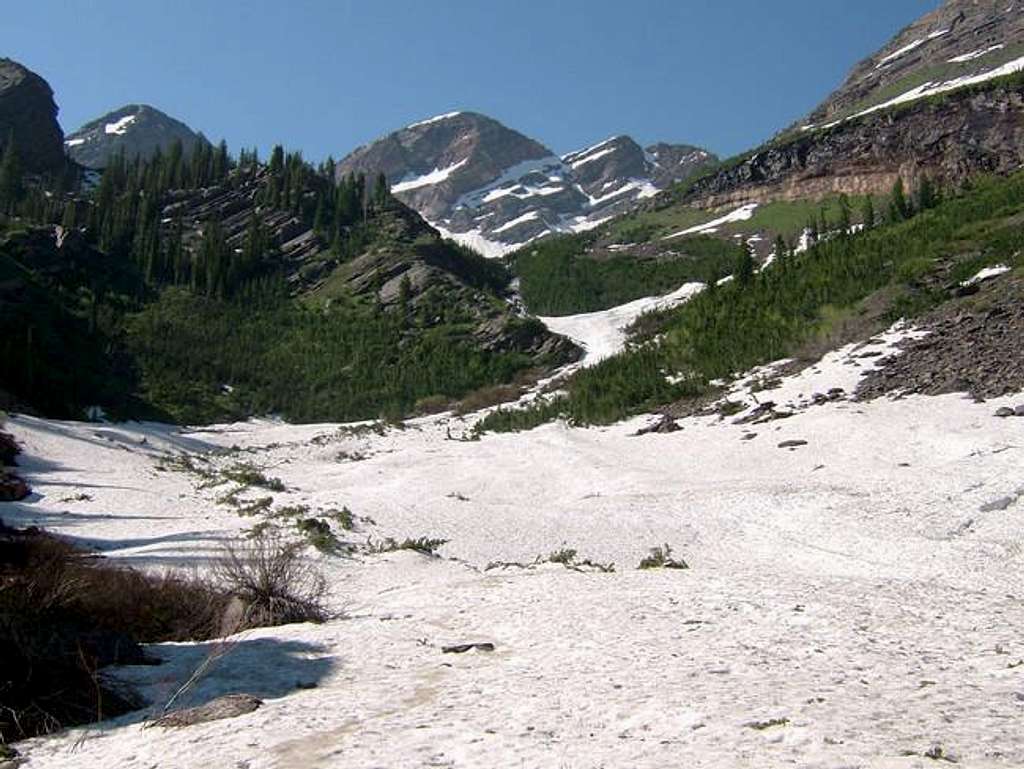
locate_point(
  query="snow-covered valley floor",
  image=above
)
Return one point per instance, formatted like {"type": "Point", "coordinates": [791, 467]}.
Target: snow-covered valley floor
{"type": "Point", "coordinates": [848, 603]}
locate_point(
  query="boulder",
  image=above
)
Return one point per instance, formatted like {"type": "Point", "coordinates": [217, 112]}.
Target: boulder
{"type": "Point", "coordinates": [228, 706]}
{"type": "Point", "coordinates": [665, 424]}
{"type": "Point", "coordinates": [12, 488]}
{"type": "Point", "coordinates": [9, 449]}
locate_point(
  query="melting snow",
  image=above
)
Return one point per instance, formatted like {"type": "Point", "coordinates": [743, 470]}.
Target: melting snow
{"type": "Point", "coordinates": [910, 47]}
{"type": "Point", "coordinates": [436, 176]}
{"type": "Point", "coordinates": [529, 216]}
{"type": "Point", "coordinates": [976, 54]}
{"type": "Point", "coordinates": [475, 239]}
{"type": "Point", "coordinates": [602, 334]}
{"type": "Point", "coordinates": [849, 591]}
{"type": "Point", "coordinates": [985, 274]}
{"type": "Point", "coordinates": [74, 142]}
{"type": "Point", "coordinates": [436, 119]}
{"type": "Point", "coordinates": [120, 127]}
{"type": "Point", "coordinates": [591, 158]}
{"type": "Point", "coordinates": [741, 214]}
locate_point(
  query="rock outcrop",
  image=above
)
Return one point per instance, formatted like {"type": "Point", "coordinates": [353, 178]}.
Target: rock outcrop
{"type": "Point", "coordinates": [28, 114]}
{"type": "Point", "coordinates": [929, 103]}
{"type": "Point", "coordinates": [948, 139]}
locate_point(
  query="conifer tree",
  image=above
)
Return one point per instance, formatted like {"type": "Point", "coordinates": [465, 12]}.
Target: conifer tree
{"type": "Point", "coordinates": [746, 267]}
{"type": "Point", "coordinates": [868, 212]}
{"type": "Point", "coordinates": [899, 208]}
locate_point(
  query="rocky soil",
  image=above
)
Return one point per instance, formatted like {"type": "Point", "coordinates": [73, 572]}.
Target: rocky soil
{"type": "Point", "coordinates": [974, 346]}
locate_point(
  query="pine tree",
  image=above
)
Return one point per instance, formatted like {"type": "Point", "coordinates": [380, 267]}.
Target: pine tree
{"type": "Point", "coordinates": [745, 267]}
{"type": "Point", "coordinates": [926, 195]}
{"type": "Point", "coordinates": [844, 214]}
{"type": "Point", "coordinates": [868, 212]}
{"type": "Point", "coordinates": [899, 208]}
{"type": "Point", "coordinates": [381, 191]}
{"type": "Point", "coordinates": [781, 250]}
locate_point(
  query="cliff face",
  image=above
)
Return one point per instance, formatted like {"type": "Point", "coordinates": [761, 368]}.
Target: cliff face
{"type": "Point", "coordinates": [29, 114]}
{"type": "Point", "coordinates": [948, 140]}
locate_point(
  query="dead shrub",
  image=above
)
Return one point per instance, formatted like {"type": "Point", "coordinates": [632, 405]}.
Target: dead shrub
{"type": "Point", "coordinates": [275, 582]}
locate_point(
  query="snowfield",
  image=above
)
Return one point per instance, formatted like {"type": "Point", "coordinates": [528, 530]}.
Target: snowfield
{"type": "Point", "coordinates": [848, 604]}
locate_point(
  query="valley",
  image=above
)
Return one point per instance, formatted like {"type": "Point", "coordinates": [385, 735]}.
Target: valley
{"type": "Point", "coordinates": [463, 452]}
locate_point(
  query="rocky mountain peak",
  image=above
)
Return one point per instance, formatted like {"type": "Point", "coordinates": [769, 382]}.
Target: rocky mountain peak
{"type": "Point", "coordinates": [137, 129]}
{"type": "Point", "coordinates": [29, 114]}
{"type": "Point", "coordinates": [495, 189]}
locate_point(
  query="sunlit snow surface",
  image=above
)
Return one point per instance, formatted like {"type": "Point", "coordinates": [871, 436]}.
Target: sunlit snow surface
{"type": "Point", "coordinates": [741, 214]}
{"type": "Point", "coordinates": [119, 127]}
{"type": "Point", "coordinates": [436, 176]}
{"type": "Point", "coordinates": [850, 589]}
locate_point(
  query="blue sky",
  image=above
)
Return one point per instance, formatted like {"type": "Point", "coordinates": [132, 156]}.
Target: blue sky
{"type": "Point", "coordinates": [325, 76]}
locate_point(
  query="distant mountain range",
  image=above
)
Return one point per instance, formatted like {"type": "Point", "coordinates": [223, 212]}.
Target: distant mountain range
{"type": "Point", "coordinates": [135, 129]}
{"type": "Point", "coordinates": [495, 189]}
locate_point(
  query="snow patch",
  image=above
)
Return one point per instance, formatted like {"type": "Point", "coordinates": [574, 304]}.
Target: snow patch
{"type": "Point", "coordinates": [976, 54]}
{"type": "Point", "coordinates": [603, 334]}
{"type": "Point", "coordinates": [436, 176]}
{"type": "Point", "coordinates": [741, 214]}
{"type": "Point", "coordinates": [985, 274]}
{"type": "Point", "coordinates": [529, 216]}
{"type": "Point", "coordinates": [120, 127]}
{"type": "Point", "coordinates": [435, 119]}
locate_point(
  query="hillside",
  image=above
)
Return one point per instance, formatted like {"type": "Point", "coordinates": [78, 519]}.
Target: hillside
{"type": "Point", "coordinates": [961, 41]}
{"type": "Point", "coordinates": [199, 287]}
{"type": "Point", "coordinates": [941, 101]}
{"type": "Point", "coordinates": [494, 189]}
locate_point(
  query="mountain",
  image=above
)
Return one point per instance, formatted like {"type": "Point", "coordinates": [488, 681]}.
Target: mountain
{"type": "Point", "coordinates": [493, 188]}
{"type": "Point", "coordinates": [135, 129]}
{"type": "Point", "coordinates": [29, 114]}
{"type": "Point", "coordinates": [963, 40]}
{"type": "Point", "coordinates": [942, 100]}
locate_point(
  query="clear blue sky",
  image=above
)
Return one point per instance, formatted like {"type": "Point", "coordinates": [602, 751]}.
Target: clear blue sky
{"type": "Point", "coordinates": [325, 76]}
